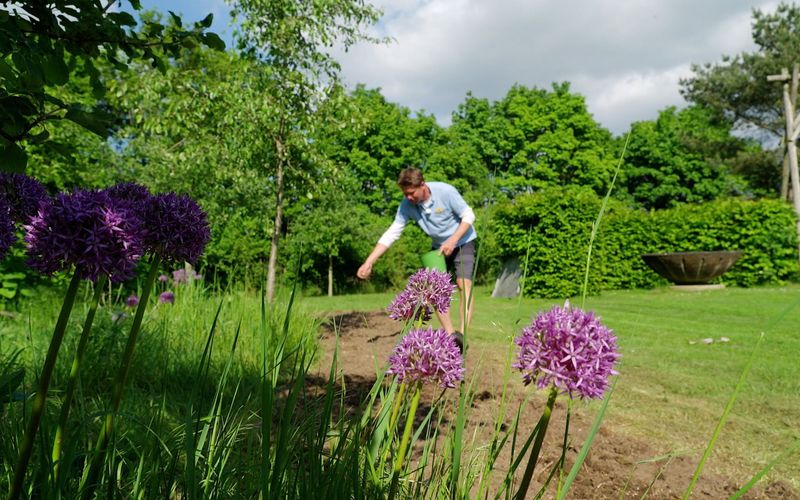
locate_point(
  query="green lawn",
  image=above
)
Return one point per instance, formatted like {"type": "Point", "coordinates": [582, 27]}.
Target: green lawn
{"type": "Point", "coordinates": [673, 387]}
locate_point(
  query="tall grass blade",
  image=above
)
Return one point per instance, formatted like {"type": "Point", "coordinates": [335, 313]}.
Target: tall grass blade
{"type": "Point", "coordinates": [88, 482]}
{"type": "Point", "coordinates": [596, 225]}
{"type": "Point", "coordinates": [760, 474]}
{"type": "Point", "coordinates": [192, 425]}
{"type": "Point", "coordinates": [722, 419]}
{"type": "Point", "coordinates": [44, 383]}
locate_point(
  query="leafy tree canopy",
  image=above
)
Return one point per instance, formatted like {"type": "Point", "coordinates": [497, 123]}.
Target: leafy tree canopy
{"type": "Point", "coordinates": [45, 45]}
{"type": "Point", "coordinates": [737, 87]}
{"type": "Point", "coordinates": [683, 156]}
{"type": "Point", "coordinates": [534, 138]}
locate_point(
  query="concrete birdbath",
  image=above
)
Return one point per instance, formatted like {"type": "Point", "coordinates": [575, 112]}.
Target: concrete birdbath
{"type": "Point", "coordinates": [692, 270]}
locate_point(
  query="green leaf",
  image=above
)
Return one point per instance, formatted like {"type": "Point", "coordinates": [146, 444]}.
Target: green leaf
{"type": "Point", "coordinates": [206, 22]}
{"type": "Point", "coordinates": [6, 71]}
{"type": "Point", "coordinates": [55, 70]}
{"type": "Point", "coordinates": [136, 4]}
{"type": "Point", "coordinates": [12, 158]}
{"type": "Point", "coordinates": [8, 294]}
{"type": "Point", "coordinates": [176, 19]}
{"type": "Point", "coordinates": [123, 18]}
{"type": "Point", "coordinates": [60, 148]}
{"type": "Point", "coordinates": [10, 285]}
{"type": "Point", "coordinates": [40, 138]}
{"type": "Point", "coordinates": [212, 40]}
{"type": "Point", "coordinates": [96, 122]}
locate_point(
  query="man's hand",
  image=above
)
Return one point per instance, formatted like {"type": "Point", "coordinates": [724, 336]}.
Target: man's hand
{"type": "Point", "coordinates": [447, 248]}
{"type": "Point", "coordinates": [365, 271]}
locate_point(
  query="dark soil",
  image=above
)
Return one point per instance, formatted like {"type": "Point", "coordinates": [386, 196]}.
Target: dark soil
{"type": "Point", "coordinates": [617, 465]}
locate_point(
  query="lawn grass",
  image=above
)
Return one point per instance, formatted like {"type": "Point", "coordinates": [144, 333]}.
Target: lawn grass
{"type": "Point", "coordinates": [673, 387]}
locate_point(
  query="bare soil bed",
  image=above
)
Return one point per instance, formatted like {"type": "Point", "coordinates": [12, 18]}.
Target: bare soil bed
{"type": "Point", "coordinates": [613, 467]}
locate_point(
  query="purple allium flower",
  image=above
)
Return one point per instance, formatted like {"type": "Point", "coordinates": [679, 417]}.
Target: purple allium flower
{"type": "Point", "coordinates": [427, 355]}
{"type": "Point", "coordinates": [24, 195]}
{"type": "Point", "coordinates": [129, 192]}
{"type": "Point", "coordinates": [182, 276]}
{"type": "Point", "coordinates": [569, 349]}
{"type": "Point", "coordinates": [166, 298]}
{"type": "Point", "coordinates": [7, 236]}
{"type": "Point", "coordinates": [163, 278]}
{"type": "Point", "coordinates": [427, 290]}
{"type": "Point", "coordinates": [132, 301]}
{"type": "Point", "coordinates": [177, 228]}
{"type": "Point", "coordinates": [86, 229]}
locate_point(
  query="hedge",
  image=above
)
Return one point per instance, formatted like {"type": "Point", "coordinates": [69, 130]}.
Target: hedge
{"type": "Point", "coordinates": [554, 227]}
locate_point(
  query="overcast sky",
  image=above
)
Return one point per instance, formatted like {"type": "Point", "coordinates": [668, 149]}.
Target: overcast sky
{"type": "Point", "coordinates": [624, 56]}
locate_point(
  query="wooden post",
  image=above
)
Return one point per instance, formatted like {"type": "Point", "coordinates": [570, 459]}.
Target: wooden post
{"type": "Point", "coordinates": [792, 133]}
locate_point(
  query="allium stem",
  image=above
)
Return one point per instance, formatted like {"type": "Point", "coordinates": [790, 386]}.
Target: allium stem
{"type": "Point", "coordinates": [44, 383]}
{"type": "Point", "coordinates": [58, 442]}
{"type": "Point", "coordinates": [537, 445]}
{"type": "Point", "coordinates": [401, 452]}
{"type": "Point", "coordinates": [396, 407]}
{"type": "Point", "coordinates": [89, 482]}
{"type": "Point", "coordinates": [398, 401]}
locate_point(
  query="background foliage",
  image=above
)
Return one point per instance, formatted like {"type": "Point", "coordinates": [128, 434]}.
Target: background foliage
{"type": "Point", "coordinates": [256, 141]}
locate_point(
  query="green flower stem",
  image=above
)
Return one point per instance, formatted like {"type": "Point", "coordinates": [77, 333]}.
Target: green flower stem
{"type": "Point", "coordinates": [44, 383]}
{"type": "Point", "coordinates": [537, 445]}
{"type": "Point", "coordinates": [58, 443]}
{"type": "Point", "coordinates": [401, 453]}
{"type": "Point", "coordinates": [90, 479]}
{"type": "Point", "coordinates": [396, 407]}
{"type": "Point", "coordinates": [398, 400]}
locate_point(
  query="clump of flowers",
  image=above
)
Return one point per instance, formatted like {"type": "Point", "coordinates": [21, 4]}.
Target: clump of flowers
{"type": "Point", "coordinates": [568, 349]}
{"type": "Point", "coordinates": [427, 355]}
{"type": "Point", "coordinates": [23, 194]}
{"type": "Point", "coordinates": [87, 229]}
{"type": "Point", "coordinates": [427, 290]}
{"type": "Point", "coordinates": [166, 298]}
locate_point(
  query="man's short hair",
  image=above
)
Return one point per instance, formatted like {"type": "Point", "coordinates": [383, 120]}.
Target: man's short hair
{"type": "Point", "coordinates": [410, 177]}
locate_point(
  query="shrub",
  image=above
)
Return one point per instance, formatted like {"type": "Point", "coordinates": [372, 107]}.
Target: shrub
{"type": "Point", "coordinates": [560, 223]}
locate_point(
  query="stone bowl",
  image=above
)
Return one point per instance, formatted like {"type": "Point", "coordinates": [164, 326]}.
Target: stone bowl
{"type": "Point", "coordinates": [691, 268]}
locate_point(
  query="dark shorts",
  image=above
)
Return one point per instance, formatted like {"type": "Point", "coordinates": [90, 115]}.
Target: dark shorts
{"type": "Point", "coordinates": [462, 261]}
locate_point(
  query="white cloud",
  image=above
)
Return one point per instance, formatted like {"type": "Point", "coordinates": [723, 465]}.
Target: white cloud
{"type": "Point", "coordinates": [624, 56]}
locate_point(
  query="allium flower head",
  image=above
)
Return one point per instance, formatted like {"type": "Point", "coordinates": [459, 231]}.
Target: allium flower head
{"type": "Point", "coordinates": [177, 228]}
{"type": "Point", "coordinates": [132, 301]}
{"type": "Point", "coordinates": [86, 229]}
{"type": "Point", "coordinates": [181, 276]}
{"type": "Point", "coordinates": [427, 290]}
{"type": "Point", "coordinates": [427, 355]}
{"type": "Point", "coordinates": [166, 298]}
{"type": "Point", "coordinates": [7, 236]}
{"type": "Point", "coordinates": [163, 278]}
{"type": "Point", "coordinates": [569, 349]}
{"type": "Point", "coordinates": [23, 194]}
{"type": "Point", "coordinates": [129, 192]}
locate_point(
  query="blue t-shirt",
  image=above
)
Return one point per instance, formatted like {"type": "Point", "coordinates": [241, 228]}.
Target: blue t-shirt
{"type": "Point", "coordinates": [439, 216]}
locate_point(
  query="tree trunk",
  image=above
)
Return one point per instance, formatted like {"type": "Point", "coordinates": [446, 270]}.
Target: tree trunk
{"type": "Point", "coordinates": [276, 230]}
{"type": "Point", "coordinates": [330, 275]}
